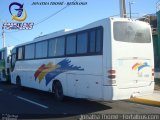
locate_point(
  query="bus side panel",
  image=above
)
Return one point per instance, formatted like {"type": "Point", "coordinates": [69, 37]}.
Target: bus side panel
{"type": "Point", "coordinates": [86, 83]}
{"type": "Point", "coordinates": [71, 84]}
{"type": "Point", "coordinates": [84, 86]}
{"type": "Point", "coordinates": [83, 79]}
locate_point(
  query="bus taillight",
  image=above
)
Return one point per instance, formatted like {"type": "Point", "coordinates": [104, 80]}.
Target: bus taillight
{"type": "Point", "coordinates": [112, 74]}
{"type": "Point", "coordinates": [153, 72]}
{"type": "Point", "coordinates": [111, 71]}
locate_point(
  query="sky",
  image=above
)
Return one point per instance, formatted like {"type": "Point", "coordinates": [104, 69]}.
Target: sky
{"type": "Point", "coordinates": [72, 17]}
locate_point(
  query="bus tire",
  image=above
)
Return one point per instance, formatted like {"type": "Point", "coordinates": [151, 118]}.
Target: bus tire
{"type": "Point", "coordinates": [58, 91]}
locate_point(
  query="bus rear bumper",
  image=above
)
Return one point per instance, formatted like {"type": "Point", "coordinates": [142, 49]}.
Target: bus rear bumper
{"type": "Point", "coordinates": [115, 93]}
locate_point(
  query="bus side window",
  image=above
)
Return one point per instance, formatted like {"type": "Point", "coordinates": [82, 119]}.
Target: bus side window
{"type": "Point", "coordinates": [99, 40]}
{"type": "Point", "coordinates": [92, 41]}
{"type": "Point", "coordinates": [20, 52]}
{"type": "Point", "coordinates": [41, 49]}
{"type": "Point", "coordinates": [29, 51]}
{"type": "Point", "coordinates": [82, 40]}
{"type": "Point", "coordinates": [60, 44]}
{"type": "Point", "coordinates": [56, 47]}
{"type": "Point", "coordinates": [52, 47]}
{"type": "Point", "coordinates": [95, 41]}
{"type": "Point", "coordinates": [71, 45]}
{"type": "Point", "coordinates": [13, 61]}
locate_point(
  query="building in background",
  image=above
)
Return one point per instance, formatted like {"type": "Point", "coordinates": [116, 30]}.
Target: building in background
{"type": "Point", "coordinates": [154, 21]}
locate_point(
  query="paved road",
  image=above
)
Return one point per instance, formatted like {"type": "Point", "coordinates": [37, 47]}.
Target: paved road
{"type": "Point", "coordinates": [30, 103]}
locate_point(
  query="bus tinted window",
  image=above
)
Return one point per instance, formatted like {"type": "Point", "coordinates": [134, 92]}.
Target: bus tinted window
{"type": "Point", "coordinates": [13, 58]}
{"type": "Point", "coordinates": [2, 55]}
{"type": "Point", "coordinates": [41, 49]}
{"type": "Point", "coordinates": [82, 43]}
{"type": "Point", "coordinates": [92, 41]}
{"type": "Point", "coordinates": [29, 51]}
{"type": "Point", "coordinates": [57, 47]}
{"type": "Point", "coordinates": [131, 32]}
{"type": "Point", "coordinates": [71, 45]}
{"type": "Point", "coordinates": [52, 46]}
{"type": "Point", "coordinates": [60, 44]}
{"type": "Point", "coordinates": [20, 53]}
{"type": "Point", "coordinates": [99, 40]}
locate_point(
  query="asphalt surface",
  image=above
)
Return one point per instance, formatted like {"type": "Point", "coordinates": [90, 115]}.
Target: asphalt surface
{"type": "Point", "coordinates": [29, 103]}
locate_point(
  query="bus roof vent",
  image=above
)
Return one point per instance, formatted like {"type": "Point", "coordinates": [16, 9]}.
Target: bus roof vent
{"type": "Point", "coordinates": [61, 31]}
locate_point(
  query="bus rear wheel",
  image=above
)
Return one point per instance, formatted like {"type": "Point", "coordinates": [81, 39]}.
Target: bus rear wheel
{"type": "Point", "coordinates": [58, 90]}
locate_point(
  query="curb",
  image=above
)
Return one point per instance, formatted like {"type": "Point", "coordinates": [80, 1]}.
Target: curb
{"type": "Point", "coordinates": [145, 101]}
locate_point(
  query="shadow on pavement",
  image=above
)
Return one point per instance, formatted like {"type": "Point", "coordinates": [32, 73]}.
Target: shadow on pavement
{"type": "Point", "coordinates": [67, 108]}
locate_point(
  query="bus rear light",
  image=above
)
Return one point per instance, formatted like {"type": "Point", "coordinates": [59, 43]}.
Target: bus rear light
{"type": "Point", "coordinates": [112, 76]}
{"type": "Point", "coordinates": [152, 72]}
{"type": "Point", "coordinates": [111, 71]}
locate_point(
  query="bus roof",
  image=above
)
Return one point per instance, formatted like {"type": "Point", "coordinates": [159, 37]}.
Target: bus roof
{"type": "Point", "coordinates": [64, 32]}
{"type": "Point", "coordinates": [69, 31]}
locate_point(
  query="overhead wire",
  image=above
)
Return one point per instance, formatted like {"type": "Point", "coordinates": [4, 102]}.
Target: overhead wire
{"type": "Point", "coordinates": [11, 36]}
{"type": "Point", "coordinates": [46, 18]}
{"type": "Point", "coordinates": [42, 20]}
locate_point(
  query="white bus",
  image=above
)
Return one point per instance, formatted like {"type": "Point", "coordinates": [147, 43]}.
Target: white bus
{"type": "Point", "coordinates": [5, 63]}
{"type": "Point", "coordinates": [110, 59]}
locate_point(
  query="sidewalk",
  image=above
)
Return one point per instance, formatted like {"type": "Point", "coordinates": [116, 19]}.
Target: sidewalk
{"type": "Point", "coordinates": [153, 99]}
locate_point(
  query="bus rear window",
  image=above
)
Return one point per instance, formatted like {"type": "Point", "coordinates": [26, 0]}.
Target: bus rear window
{"type": "Point", "coordinates": [131, 32]}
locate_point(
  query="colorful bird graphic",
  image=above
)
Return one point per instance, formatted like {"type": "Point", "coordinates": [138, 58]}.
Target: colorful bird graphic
{"type": "Point", "coordinates": [43, 70]}
{"type": "Point", "coordinates": [50, 71]}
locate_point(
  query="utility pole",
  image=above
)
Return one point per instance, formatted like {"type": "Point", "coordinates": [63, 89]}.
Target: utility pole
{"type": "Point", "coordinates": [122, 8]}
{"type": "Point", "coordinates": [130, 9]}
{"type": "Point", "coordinates": [3, 37]}
{"type": "Point", "coordinates": [3, 33]}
